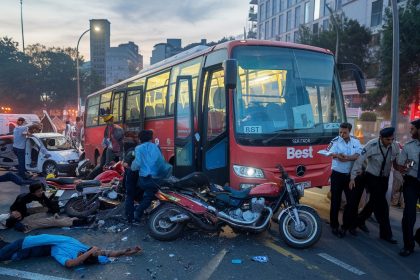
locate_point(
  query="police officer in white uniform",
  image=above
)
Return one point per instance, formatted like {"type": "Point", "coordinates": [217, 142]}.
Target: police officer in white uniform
{"type": "Point", "coordinates": [345, 150]}
{"type": "Point", "coordinates": [379, 153]}
{"type": "Point", "coordinates": [408, 161]}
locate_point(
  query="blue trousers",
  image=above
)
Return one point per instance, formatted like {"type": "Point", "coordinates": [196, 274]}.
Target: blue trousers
{"type": "Point", "coordinates": [150, 186]}
{"type": "Point", "coordinates": [9, 176]}
{"type": "Point", "coordinates": [13, 251]}
{"type": "Point", "coordinates": [20, 154]}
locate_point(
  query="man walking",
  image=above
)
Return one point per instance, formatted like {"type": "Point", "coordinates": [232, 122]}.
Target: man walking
{"type": "Point", "coordinates": [19, 142]}
{"type": "Point", "coordinates": [345, 150]}
{"type": "Point", "coordinates": [379, 154]}
{"type": "Point", "coordinates": [408, 161]}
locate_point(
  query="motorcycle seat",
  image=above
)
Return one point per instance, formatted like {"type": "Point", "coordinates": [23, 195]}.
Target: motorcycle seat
{"type": "Point", "coordinates": [193, 181]}
{"type": "Point", "coordinates": [235, 193]}
{"type": "Point", "coordinates": [63, 180]}
{"type": "Point", "coordinates": [87, 183]}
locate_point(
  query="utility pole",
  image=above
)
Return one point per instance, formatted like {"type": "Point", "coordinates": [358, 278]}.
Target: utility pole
{"type": "Point", "coordinates": [395, 64]}
{"type": "Point", "coordinates": [21, 24]}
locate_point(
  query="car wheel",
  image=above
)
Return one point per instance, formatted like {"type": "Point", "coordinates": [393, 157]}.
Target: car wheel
{"type": "Point", "coordinates": [50, 167]}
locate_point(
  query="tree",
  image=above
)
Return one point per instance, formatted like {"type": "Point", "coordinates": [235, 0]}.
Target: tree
{"type": "Point", "coordinates": [409, 24]}
{"type": "Point", "coordinates": [16, 76]}
{"type": "Point", "coordinates": [353, 40]}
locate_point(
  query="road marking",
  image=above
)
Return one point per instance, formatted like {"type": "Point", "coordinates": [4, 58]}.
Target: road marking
{"type": "Point", "coordinates": [208, 270]}
{"type": "Point", "coordinates": [341, 264]}
{"type": "Point", "coordinates": [298, 259]}
{"type": "Point", "coordinates": [27, 275]}
{"type": "Point", "coordinates": [283, 251]}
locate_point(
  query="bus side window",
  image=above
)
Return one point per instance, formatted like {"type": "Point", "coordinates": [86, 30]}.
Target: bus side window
{"type": "Point", "coordinates": [92, 116]}
{"type": "Point", "coordinates": [105, 105]}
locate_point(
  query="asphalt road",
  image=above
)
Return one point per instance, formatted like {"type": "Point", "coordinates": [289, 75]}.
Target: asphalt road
{"type": "Point", "coordinates": [200, 255]}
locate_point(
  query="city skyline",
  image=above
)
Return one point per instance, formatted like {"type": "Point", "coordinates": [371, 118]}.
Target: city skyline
{"type": "Point", "coordinates": [59, 24]}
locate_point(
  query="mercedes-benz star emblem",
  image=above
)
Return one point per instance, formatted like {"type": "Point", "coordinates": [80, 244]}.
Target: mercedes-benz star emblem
{"type": "Point", "coordinates": [300, 170]}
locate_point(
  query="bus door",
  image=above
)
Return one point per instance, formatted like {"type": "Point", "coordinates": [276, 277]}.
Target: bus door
{"type": "Point", "coordinates": [215, 141]}
{"type": "Point", "coordinates": [129, 103]}
{"type": "Point", "coordinates": [184, 127]}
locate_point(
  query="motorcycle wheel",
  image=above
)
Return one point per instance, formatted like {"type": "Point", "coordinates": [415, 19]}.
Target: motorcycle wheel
{"type": "Point", "coordinates": [303, 237]}
{"type": "Point", "coordinates": [77, 207]}
{"type": "Point", "coordinates": [160, 227]}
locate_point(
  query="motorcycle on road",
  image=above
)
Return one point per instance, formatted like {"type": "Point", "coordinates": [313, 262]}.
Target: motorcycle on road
{"type": "Point", "coordinates": [193, 199]}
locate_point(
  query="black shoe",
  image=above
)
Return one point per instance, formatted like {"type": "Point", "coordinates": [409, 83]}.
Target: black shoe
{"type": "Point", "coordinates": [417, 236]}
{"type": "Point", "coordinates": [364, 228]}
{"type": "Point", "coordinates": [405, 252]}
{"type": "Point", "coordinates": [390, 240]}
{"type": "Point", "coordinates": [353, 231]}
{"type": "Point", "coordinates": [338, 232]}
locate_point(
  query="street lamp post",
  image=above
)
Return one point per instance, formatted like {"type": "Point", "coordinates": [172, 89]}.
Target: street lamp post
{"type": "Point", "coordinates": [336, 31]}
{"type": "Point", "coordinates": [78, 70]}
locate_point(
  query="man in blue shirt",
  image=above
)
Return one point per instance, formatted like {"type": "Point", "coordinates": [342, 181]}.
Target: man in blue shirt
{"type": "Point", "coordinates": [345, 150]}
{"type": "Point", "coordinates": [19, 143]}
{"type": "Point", "coordinates": [152, 167]}
{"type": "Point", "coordinates": [66, 250]}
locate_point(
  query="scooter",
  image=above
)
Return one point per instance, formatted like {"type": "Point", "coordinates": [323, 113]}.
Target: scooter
{"type": "Point", "coordinates": [193, 199]}
{"type": "Point", "coordinates": [65, 188]}
{"type": "Point", "coordinates": [90, 198]}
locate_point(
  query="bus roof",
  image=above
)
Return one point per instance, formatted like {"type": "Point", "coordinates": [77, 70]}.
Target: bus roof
{"type": "Point", "coordinates": [202, 50]}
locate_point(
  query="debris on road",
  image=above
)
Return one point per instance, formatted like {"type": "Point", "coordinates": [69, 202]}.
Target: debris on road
{"type": "Point", "coordinates": [261, 259]}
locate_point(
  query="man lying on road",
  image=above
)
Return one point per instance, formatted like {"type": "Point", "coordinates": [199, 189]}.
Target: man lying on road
{"type": "Point", "coordinates": [66, 250]}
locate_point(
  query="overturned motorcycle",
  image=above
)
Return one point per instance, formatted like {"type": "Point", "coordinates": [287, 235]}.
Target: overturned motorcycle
{"type": "Point", "coordinates": [193, 199]}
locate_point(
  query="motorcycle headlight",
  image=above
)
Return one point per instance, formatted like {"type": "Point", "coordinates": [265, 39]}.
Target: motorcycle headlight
{"type": "Point", "coordinates": [248, 172]}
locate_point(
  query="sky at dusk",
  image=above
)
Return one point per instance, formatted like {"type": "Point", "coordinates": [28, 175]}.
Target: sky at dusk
{"type": "Point", "coordinates": [59, 23]}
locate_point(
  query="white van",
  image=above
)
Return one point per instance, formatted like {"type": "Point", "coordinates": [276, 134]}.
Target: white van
{"type": "Point", "coordinates": [8, 121]}
{"type": "Point", "coordinates": [44, 153]}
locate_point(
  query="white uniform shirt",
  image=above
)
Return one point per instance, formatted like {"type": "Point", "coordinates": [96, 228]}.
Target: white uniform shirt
{"type": "Point", "coordinates": [339, 146]}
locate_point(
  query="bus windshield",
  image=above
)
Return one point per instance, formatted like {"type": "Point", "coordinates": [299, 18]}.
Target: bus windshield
{"type": "Point", "coordinates": [285, 93]}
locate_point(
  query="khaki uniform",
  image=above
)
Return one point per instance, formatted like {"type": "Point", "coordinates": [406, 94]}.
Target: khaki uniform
{"type": "Point", "coordinates": [46, 220]}
{"type": "Point", "coordinates": [411, 190]}
{"type": "Point", "coordinates": [372, 154]}
{"type": "Point", "coordinates": [379, 162]}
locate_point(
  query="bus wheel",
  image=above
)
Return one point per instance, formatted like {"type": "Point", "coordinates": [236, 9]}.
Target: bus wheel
{"type": "Point", "coordinates": [50, 167]}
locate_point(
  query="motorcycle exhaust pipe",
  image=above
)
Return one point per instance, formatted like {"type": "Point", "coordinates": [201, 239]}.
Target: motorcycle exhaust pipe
{"type": "Point", "coordinates": [229, 221]}
{"type": "Point", "coordinates": [179, 218]}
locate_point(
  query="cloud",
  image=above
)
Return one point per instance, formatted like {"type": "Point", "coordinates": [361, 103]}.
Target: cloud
{"type": "Point", "coordinates": [145, 22]}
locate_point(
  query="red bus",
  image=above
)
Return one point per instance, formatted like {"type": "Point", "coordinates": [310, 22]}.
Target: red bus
{"type": "Point", "coordinates": [233, 111]}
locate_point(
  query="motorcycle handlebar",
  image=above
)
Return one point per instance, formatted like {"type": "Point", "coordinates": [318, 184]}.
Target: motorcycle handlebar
{"type": "Point", "coordinates": [283, 172]}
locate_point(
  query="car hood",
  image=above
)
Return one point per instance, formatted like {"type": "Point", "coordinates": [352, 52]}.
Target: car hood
{"type": "Point", "coordinates": [66, 155]}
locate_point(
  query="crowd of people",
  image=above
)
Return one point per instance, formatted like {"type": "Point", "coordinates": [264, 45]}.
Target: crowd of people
{"type": "Point", "coordinates": [356, 168]}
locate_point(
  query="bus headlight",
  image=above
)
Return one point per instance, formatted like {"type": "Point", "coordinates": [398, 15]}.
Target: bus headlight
{"type": "Point", "coordinates": [248, 172]}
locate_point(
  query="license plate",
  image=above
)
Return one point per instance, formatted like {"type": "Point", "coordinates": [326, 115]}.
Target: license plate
{"type": "Point", "coordinates": [305, 185]}
{"type": "Point", "coordinates": [59, 193]}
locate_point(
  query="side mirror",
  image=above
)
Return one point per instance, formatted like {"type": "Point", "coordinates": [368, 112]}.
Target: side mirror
{"type": "Point", "coordinates": [231, 73]}
{"type": "Point", "coordinates": [357, 75]}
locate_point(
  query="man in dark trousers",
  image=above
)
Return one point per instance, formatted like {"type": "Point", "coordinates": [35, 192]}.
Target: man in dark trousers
{"type": "Point", "coordinates": [409, 162]}
{"type": "Point", "coordinates": [345, 150]}
{"type": "Point", "coordinates": [379, 154]}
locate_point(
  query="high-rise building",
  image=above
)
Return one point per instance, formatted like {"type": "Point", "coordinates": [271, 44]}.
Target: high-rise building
{"type": "Point", "coordinates": [281, 19]}
{"type": "Point", "coordinates": [162, 51]}
{"type": "Point", "coordinates": [100, 34]}
{"type": "Point", "coordinates": [122, 62]}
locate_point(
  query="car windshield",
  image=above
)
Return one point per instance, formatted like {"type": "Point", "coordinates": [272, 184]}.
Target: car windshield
{"type": "Point", "coordinates": [283, 92]}
{"type": "Point", "coordinates": [56, 143]}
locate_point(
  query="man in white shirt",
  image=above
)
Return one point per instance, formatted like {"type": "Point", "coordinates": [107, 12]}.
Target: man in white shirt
{"type": "Point", "coordinates": [19, 142]}
{"type": "Point", "coordinates": [345, 149]}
